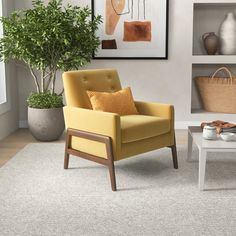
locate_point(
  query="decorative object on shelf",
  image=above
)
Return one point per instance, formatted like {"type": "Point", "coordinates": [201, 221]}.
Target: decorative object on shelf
{"type": "Point", "coordinates": [227, 35]}
{"type": "Point", "coordinates": [139, 29]}
{"type": "Point", "coordinates": [209, 132]}
{"type": "Point", "coordinates": [218, 94]}
{"type": "Point", "coordinates": [210, 42]}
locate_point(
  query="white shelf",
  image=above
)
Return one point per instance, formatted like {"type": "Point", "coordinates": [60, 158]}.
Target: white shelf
{"type": "Point", "coordinates": [203, 115]}
{"type": "Point", "coordinates": [218, 114]}
{"type": "Point", "coordinates": [214, 59]}
{"type": "Point", "coordinates": [215, 2]}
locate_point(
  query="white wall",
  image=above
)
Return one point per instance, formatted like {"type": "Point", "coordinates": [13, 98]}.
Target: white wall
{"type": "Point", "coordinates": [151, 80]}
{"type": "Point", "coordinates": [9, 120]}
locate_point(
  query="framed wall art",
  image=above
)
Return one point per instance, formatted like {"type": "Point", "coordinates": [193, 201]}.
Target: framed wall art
{"type": "Point", "coordinates": [135, 29]}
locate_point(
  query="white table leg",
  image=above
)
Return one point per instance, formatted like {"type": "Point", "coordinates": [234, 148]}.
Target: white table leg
{"type": "Point", "coordinates": [190, 147]}
{"type": "Point", "coordinates": [202, 167]}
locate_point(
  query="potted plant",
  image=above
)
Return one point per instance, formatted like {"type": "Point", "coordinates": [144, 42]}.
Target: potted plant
{"type": "Point", "coordinates": [49, 38]}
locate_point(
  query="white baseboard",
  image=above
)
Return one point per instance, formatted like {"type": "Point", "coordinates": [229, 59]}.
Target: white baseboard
{"type": "Point", "coordinates": [23, 124]}
{"type": "Point", "coordinates": [178, 124]}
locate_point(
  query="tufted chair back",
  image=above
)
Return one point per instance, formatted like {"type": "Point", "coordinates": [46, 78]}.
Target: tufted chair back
{"type": "Point", "coordinates": [77, 82]}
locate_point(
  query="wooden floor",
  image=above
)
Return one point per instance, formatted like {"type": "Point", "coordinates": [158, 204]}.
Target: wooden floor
{"type": "Point", "coordinates": [20, 138]}
{"type": "Point", "coordinates": [15, 142]}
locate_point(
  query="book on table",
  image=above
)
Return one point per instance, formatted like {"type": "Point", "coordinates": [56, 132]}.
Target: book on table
{"type": "Point", "coordinates": [231, 130]}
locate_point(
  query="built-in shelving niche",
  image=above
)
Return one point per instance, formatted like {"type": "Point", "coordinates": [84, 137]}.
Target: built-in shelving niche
{"type": "Point", "coordinates": [207, 17]}
{"type": "Point", "coordinates": [206, 70]}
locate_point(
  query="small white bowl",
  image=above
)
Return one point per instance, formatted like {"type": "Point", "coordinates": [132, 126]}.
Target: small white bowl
{"type": "Point", "coordinates": [227, 136]}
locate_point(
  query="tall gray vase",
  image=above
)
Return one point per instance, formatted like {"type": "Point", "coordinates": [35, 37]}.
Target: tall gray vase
{"type": "Point", "coordinates": [227, 34]}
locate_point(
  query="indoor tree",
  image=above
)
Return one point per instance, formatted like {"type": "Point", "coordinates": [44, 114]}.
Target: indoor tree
{"type": "Point", "coordinates": [49, 38]}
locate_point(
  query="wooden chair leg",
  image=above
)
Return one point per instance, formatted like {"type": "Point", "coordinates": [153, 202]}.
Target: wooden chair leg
{"type": "Point", "coordinates": [112, 176]}
{"type": "Point", "coordinates": [66, 161]}
{"type": "Point", "coordinates": [67, 155]}
{"type": "Point", "coordinates": [174, 156]}
{"type": "Point", "coordinates": [111, 166]}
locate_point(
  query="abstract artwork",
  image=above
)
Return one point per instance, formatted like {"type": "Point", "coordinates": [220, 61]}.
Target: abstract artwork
{"type": "Point", "coordinates": [135, 29]}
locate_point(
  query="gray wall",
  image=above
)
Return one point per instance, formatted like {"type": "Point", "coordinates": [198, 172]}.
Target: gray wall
{"type": "Point", "coordinates": [151, 80]}
{"type": "Point", "coordinates": [9, 120]}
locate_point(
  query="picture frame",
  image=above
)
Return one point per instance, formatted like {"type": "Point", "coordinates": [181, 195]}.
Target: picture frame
{"type": "Point", "coordinates": [132, 29]}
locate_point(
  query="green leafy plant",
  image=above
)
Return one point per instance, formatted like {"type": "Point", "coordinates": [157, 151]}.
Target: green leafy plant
{"type": "Point", "coordinates": [49, 38]}
{"type": "Point", "coordinates": [44, 100]}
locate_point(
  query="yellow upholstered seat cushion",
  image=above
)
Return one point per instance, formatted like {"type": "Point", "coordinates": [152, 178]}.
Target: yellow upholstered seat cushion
{"type": "Point", "coordinates": [120, 102]}
{"type": "Point", "coordinates": [138, 127]}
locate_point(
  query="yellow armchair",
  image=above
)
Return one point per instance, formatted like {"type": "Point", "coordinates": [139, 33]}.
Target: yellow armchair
{"type": "Point", "coordinates": [106, 137]}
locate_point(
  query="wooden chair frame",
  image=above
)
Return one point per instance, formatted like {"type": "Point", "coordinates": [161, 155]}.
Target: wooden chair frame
{"type": "Point", "coordinates": [94, 137]}
{"type": "Point", "coordinates": [109, 162]}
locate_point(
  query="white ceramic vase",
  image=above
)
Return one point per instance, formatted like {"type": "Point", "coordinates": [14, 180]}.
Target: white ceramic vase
{"type": "Point", "coordinates": [227, 34]}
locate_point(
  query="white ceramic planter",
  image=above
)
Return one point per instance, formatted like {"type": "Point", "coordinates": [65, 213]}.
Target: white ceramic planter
{"type": "Point", "coordinates": [227, 34]}
{"type": "Point", "coordinates": [46, 124]}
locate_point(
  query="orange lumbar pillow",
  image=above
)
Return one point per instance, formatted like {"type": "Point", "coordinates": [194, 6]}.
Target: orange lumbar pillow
{"type": "Point", "coordinates": [120, 102]}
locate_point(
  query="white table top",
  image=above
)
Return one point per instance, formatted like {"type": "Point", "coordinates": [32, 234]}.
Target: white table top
{"type": "Point", "coordinates": [211, 144]}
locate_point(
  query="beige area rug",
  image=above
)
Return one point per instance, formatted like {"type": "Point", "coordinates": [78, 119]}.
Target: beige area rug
{"type": "Point", "coordinates": [39, 197]}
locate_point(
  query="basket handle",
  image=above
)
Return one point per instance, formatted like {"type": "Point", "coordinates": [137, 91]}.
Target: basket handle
{"type": "Point", "coordinates": [226, 70]}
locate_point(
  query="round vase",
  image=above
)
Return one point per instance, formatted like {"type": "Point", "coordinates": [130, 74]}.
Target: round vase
{"type": "Point", "coordinates": [211, 43]}
{"type": "Point", "coordinates": [46, 124]}
{"type": "Point", "coordinates": [227, 35]}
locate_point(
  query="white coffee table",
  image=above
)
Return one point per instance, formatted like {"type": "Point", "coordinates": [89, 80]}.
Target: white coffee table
{"type": "Point", "coordinates": [205, 146]}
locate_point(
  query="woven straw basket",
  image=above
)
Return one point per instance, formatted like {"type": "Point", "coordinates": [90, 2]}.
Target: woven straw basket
{"type": "Point", "coordinates": [218, 94]}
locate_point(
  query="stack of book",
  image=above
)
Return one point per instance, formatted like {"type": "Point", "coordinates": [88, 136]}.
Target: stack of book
{"type": "Point", "coordinates": [232, 130]}
{"type": "Point", "coordinates": [221, 126]}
